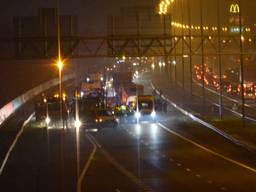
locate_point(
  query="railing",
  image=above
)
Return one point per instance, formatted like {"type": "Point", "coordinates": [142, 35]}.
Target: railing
{"type": "Point", "coordinates": [11, 107]}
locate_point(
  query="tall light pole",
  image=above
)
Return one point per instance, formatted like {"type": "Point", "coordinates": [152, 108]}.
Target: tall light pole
{"type": "Point", "coordinates": [202, 52]}
{"type": "Point", "coordinates": [60, 68]}
{"type": "Point", "coordinates": [59, 62]}
{"type": "Point", "coordinates": [241, 63]}
{"type": "Point", "coordinates": [182, 47]}
{"type": "Point", "coordinates": [219, 64]}
{"type": "Point", "coordinates": [175, 52]}
{"type": "Point", "coordinates": [164, 5]}
{"type": "Point", "coordinates": [190, 48]}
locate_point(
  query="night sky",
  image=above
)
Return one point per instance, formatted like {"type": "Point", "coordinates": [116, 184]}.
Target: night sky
{"type": "Point", "coordinates": [92, 14]}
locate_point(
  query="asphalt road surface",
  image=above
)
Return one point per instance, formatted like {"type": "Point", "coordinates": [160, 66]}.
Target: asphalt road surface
{"type": "Point", "coordinates": [174, 154]}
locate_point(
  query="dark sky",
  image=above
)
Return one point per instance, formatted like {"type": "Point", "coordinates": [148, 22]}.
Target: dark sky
{"type": "Point", "coordinates": [93, 13]}
{"type": "Point", "coordinates": [248, 8]}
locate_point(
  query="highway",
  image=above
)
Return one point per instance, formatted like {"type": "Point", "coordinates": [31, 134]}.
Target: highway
{"type": "Point", "coordinates": [173, 154]}
{"type": "Point", "coordinates": [128, 96]}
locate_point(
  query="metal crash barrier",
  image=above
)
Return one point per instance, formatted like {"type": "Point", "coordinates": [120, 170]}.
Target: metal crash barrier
{"type": "Point", "coordinates": [15, 104]}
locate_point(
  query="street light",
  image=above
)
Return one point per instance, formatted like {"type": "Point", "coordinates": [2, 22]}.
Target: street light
{"type": "Point", "coordinates": [164, 6]}
{"type": "Point", "coordinates": [60, 64]}
{"type": "Point", "coordinates": [60, 68]}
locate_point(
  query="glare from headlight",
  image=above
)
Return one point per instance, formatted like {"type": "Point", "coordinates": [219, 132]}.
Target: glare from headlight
{"type": "Point", "coordinates": [138, 129]}
{"type": "Point", "coordinates": [137, 114]}
{"type": "Point", "coordinates": [154, 131]}
{"type": "Point", "coordinates": [153, 114]}
{"type": "Point", "coordinates": [77, 123]}
{"type": "Point", "coordinates": [47, 120]}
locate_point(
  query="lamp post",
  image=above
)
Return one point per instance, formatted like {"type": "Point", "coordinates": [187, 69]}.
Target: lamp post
{"type": "Point", "coordinates": [164, 5]}
{"type": "Point", "coordinates": [220, 64]}
{"type": "Point", "coordinates": [190, 48]}
{"type": "Point", "coordinates": [202, 52]}
{"type": "Point", "coordinates": [182, 47]}
{"type": "Point", "coordinates": [241, 45]}
{"type": "Point", "coordinates": [60, 68]}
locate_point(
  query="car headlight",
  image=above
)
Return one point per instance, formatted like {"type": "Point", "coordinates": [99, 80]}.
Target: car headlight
{"type": "Point", "coordinates": [77, 123]}
{"type": "Point", "coordinates": [100, 120]}
{"type": "Point", "coordinates": [153, 114]}
{"type": "Point", "coordinates": [47, 120]}
{"type": "Point", "coordinates": [137, 114]}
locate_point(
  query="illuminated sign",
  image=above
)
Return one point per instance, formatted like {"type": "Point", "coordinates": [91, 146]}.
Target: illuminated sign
{"type": "Point", "coordinates": [235, 29]}
{"type": "Point", "coordinates": [234, 8]}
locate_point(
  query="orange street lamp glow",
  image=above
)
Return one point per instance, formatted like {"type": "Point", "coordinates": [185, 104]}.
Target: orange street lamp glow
{"type": "Point", "coordinates": [164, 6]}
{"type": "Point", "coordinates": [60, 64]}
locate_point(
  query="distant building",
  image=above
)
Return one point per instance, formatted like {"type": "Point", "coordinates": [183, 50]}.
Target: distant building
{"type": "Point", "coordinates": [234, 18]}
{"type": "Point", "coordinates": [38, 28]}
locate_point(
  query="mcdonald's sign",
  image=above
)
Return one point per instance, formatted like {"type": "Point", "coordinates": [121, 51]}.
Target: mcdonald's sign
{"type": "Point", "coordinates": [234, 8]}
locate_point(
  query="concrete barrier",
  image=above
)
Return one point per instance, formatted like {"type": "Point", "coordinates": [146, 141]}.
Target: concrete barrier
{"type": "Point", "coordinates": [15, 104]}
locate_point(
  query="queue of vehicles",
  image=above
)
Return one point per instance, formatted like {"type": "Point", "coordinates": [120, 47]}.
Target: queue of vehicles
{"type": "Point", "coordinates": [97, 108]}
{"type": "Point", "coordinates": [54, 110]}
{"type": "Point", "coordinates": [229, 83]}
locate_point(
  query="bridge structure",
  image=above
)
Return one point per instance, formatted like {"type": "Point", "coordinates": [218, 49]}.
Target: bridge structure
{"type": "Point", "coordinates": [188, 38]}
{"type": "Point", "coordinates": [191, 47]}
{"type": "Point", "coordinates": [132, 46]}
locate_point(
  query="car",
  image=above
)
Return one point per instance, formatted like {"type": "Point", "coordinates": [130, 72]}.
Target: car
{"type": "Point", "coordinates": [106, 119]}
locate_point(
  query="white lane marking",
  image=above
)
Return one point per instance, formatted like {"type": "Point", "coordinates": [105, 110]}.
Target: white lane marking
{"type": "Point", "coordinates": [198, 175]}
{"type": "Point", "coordinates": [188, 170]}
{"type": "Point", "coordinates": [208, 150]}
{"type": "Point", "coordinates": [209, 181]}
{"type": "Point", "coordinates": [121, 168]}
{"type": "Point", "coordinates": [14, 143]}
{"type": "Point", "coordinates": [204, 123]}
{"type": "Point", "coordinates": [87, 165]}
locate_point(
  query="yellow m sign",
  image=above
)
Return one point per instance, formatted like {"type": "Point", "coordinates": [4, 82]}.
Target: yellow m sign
{"type": "Point", "coordinates": [234, 8]}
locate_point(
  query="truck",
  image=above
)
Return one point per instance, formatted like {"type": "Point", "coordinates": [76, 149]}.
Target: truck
{"type": "Point", "coordinates": [126, 89]}
{"type": "Point", "coordinates": [145, 108]}
{"type": "Point", "coordinates": [129, 92]}
{"type": "Point", "coordinates": [48, 110]}
{"type": "Point", "coordinates": [92, 84]}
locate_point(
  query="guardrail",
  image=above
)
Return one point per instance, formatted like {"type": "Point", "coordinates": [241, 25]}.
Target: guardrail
{"type": "Point", "coordinates": [204, 123]}
{"type": "Point", "coordinates": [15, 104]}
